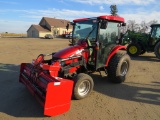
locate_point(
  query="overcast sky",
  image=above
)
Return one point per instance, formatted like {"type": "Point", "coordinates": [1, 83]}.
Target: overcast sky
{"type": "Point", "coordinates": [16, 16]}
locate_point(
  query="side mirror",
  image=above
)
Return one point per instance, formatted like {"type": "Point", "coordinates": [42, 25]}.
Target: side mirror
{"type": "Point", "coordinates": [103, 24]}
{"type": "Point", "coordinates": [67, 26]}
{"type": "Point", "coordinates": [123, 24]}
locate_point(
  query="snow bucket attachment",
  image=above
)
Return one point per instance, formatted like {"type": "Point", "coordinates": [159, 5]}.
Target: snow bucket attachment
{"type": "Point", "coordinates": [53, 93]}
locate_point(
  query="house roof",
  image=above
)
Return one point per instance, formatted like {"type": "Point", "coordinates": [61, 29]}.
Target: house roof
{"type": "Point", "coordinates": [55, 22]}
{"type": "Point", "coordinates": [40, 28]}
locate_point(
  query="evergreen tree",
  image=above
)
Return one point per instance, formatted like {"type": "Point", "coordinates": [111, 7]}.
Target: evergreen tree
{"type": "Point", "coordinates": [114, 10]}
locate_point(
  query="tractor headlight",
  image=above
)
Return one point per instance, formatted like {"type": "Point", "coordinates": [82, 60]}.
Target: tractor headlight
{"type": "Point", "coordinates": [41, 65]}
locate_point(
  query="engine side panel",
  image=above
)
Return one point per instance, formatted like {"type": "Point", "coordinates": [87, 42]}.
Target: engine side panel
{"type": "Point", "coordinates": [69, 52]}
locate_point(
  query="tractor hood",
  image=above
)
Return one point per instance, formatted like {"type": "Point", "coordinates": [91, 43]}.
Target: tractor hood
{"type": "Point", "coordinates": [69, 52]}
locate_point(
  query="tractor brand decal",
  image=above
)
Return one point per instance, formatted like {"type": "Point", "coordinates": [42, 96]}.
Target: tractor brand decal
{"type": "Point", "coordinates": [57, 83]}
{"type": "Point", "coordinates": [78, 52]}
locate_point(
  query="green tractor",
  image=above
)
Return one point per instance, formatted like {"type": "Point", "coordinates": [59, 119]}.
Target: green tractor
{"type": "Point", "coordinates": [139, 43]}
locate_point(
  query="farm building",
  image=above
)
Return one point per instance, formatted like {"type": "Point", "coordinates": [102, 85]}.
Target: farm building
{"type": "Point", "coordinates": [55, 27]}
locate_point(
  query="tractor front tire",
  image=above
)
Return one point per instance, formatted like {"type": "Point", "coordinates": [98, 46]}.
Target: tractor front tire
{"type": "Point", "coordinates": [118, 67]}
{"type": "Point", "coordinates": [134, 49]}
{"type": "Point", "coordinates": [83, 86]}
{"type": "Point", "coordinates": [157, 50]}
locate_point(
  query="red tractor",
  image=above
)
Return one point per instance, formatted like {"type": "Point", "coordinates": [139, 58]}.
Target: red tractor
{"type": "Point", "coordinates": [65, 75]}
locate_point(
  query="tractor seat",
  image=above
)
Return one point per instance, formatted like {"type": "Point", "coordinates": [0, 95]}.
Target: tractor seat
{"type": "Point", "coordinates": [90, 48]}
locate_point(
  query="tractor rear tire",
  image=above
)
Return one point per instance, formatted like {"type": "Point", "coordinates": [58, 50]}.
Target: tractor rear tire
{"type": "Point", "coordinates": [157, 50]}
{"type": "Point", "coordinates": [134, 49]}
{"type": "Point", "coordinates": [118, 67]}
{"type": "Point", "coordinates": [83, 86]}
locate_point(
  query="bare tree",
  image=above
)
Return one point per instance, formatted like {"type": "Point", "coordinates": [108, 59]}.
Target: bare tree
{"type": "Point", "coordinates": [143, 27]}
{"type": "Point", "coordinates": [152, 22]}
{"type": "Point", "coordinates": [123, 29]}
{"type": "Point", "coordinates": [132, 25]}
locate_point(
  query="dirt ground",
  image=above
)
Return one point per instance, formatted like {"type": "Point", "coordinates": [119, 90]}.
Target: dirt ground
{"type": "Point", "coordinates": [138, 98]}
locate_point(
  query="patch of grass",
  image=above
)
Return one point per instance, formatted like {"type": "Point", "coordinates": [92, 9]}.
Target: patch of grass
{"type": "Point", "coordinates": [13, 35]}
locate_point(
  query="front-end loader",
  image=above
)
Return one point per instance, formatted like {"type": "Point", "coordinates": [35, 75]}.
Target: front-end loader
{"type": "Point", "coordinates": [93, 47]}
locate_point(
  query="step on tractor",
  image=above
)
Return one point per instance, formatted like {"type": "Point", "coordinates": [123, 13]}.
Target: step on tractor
{"type": "Point", "coordinates": [139, 43]}
{"type": "Point", "coordinates": [66, 74]}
